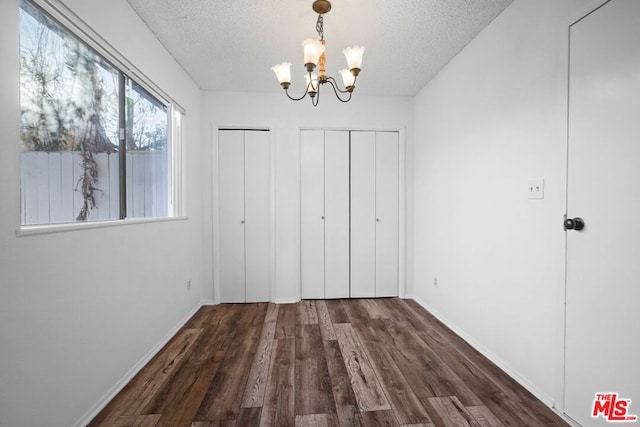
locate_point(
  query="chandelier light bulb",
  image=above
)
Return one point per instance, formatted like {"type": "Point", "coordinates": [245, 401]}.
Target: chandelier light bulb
{"type": "Point", "coordinates": [354, 58]}
{"type": "Point", "coordinates": [313, 49]}
{"type": "Point", "coordinates": [283, 72]}
{"type": "Point", "coordinates": [348, 79]}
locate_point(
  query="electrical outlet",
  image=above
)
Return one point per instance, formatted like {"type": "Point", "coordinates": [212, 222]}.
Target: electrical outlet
{"type": "Point", "coordinates": [435, 282]}
{"type": "Point", "coordinates": [189, 284]}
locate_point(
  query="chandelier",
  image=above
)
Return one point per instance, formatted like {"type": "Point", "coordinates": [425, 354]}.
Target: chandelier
{"type": "Point", "coordinates": [314, 56]}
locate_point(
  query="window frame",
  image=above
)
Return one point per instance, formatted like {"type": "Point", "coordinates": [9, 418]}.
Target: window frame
{"type": "Point", "coordinates": [73, 24]}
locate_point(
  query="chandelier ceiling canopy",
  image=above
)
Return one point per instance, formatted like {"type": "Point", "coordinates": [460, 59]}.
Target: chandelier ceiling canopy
{"type": "Point", "coordinates": [314, 57]}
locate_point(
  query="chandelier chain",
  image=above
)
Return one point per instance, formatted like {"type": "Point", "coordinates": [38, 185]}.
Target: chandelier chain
{"type": "Point", "coordinates": [320, 26]}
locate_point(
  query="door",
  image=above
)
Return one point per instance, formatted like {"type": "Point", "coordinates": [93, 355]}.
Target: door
{"type": "Point", "coordinates": [336, 224]}
{"type": "Point", "coordinates": [324, 213]}
{"type": "Point", "coordinates": [244, 215]}
{"type": "Point", "coordinates": [363, 214]}
{"type": "Point", "coordinates": [231, 199]}
{"type": "Point", "coordinates": [257, 202]}
{"type": "Point", "coordinates": [602, 351]}
{"type": "Point", "coordinates": [387, 203]}
{"type": "Point", "coordinates": [312, 214]}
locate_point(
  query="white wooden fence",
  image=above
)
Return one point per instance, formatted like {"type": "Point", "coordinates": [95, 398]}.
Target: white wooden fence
{"type": "Point", "coordinates": [51, 191]}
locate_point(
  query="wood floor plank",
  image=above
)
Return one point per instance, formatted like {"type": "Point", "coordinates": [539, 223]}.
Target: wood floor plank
{"type": "Point", "coordinates": [324, 320]}
{"type": "Point", "coordinates": [257, 382]}
{"type": "Point", "coordinates": [249, 417]}
{"type": "Point", "coordinates": [431, 375]}
{"type": "Point", "coordinates": [541, 412]}
{"type": "Point", "coordinates": [343, 396]}
{"type": "Point", "coordinates": [357, 312]}
{"type": "Point", "coordinates": [128, 404]}
{"type": "Point", "coordinates": [379, 419]}
{"type": "Point", "coordinates": [449, 412]}
{"type": "Point", "coordinates": [218, 423]}
{"type": "Point", "coordinates": [484, 417]}
{"type": "Point", "coordinates": [278, 407]}
{"type": "Point", "coordinates": [317, 420]}
{"type": "Point", "coordinates": [146, 420]}
{"type": "Point", "coordinates": [186, 389]}
{"type": "Point", "coordinates": [286, 324]}
{"type": "Point", "coordinates": [313, 383]}
{"type": "Point", "coordinates": [180, 398]}
{"type": "Point", "coordinates": [201, 318]}
{"type": "Point", "coordinates": [364, 383]}
{"type": "Point", "coordinates": [307, 313]}
{"type": "Point", "coordinates": [373, 309]}
{"type": "Point", "coordinates": [224, 396]}
{"type": "Point", "coordinates": [406, 406]}
{"type": "Point", "coordinates": [337, 311]}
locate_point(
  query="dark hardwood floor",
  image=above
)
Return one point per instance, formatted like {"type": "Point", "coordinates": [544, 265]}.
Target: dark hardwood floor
{"type": "Point", "coordinates": [369, 362]}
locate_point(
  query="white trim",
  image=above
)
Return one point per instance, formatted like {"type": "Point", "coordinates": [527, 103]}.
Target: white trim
{"type": "Point", "coordinates": [127, 377]}
{"type": "Point", "coordinates": [402, 213]}
{"type": "Point", "coordinates": [31, 230]}
{"type": "Point", "coordinates": [273, 229]}
{"type": "Point", "coordinates": [287, 300]}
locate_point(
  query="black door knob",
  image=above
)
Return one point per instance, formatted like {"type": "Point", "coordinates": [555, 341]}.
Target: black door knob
{"type": "Point", "coordinates": [576, 223]}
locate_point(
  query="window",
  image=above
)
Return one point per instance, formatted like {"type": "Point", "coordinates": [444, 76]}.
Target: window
{"type": "Point", "coordinates": [96, 144]}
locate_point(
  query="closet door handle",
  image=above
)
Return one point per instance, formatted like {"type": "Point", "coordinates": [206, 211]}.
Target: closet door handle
{"type": "Point", "coordinates": [377, 219]}
{"type": "Point", "coordinates": [242, 221]}
{"type": "Point", "coordinates": [322, 217]}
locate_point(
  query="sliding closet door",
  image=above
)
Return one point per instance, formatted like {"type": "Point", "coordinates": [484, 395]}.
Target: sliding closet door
{"type": "Point", "coordinates": [231, 197]}
{"type": "Point", "coordinates": [312, 214]}
{"type": "Point", "coordinates": [257, 195]}
{"type": "Point", "coordinates": [336, 209]}
{"type": "Point", "coordinates": [387, 203]}
{"type": "Point", "coordinates": [363, 220]}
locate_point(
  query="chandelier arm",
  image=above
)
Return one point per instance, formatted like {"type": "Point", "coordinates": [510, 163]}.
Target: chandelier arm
{"type": "Point", "coordinates": [335, 90]}
{"type": "Point", "coordinates": [334, 83]}
{"type": "Point", "coordinates": [297, 99]}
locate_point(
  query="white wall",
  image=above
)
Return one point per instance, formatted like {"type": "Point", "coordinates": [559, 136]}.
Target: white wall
{"type": "Point", "coordinates": [285, 118]}
{"type": "Point", "coordinates": [79, 309]}
{"type": "Point", "coordinates": [493, 119]}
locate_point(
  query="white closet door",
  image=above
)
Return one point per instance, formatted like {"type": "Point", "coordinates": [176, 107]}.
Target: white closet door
{"type": "Point", "coordinates": [363, 220]}
{"type": "Point", "coordinates": [387, 202]}
{"type": "Point", "coordinates": [257, 194]}
{"type": "Point", "coordinates": [231, 198]}
{"type": "Point", "coordinates": [312, 213]}
{"type": "Point", "coordinates": [336, 226]}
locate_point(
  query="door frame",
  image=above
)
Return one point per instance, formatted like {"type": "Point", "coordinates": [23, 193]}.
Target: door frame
{"type": "Point", "coordinates": [582, 12]}
{"type": "Point", "coordinates": [402, 228]}
{"type": "Point", "coordinates": [215, 205]}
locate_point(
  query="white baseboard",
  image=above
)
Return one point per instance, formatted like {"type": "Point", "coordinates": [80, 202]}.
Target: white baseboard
{"type": "Point", "coordinates": [118, 386]}
{"type": "Point", "coordinates": [287, 301]}
{"type": "Point", "coordinates": [543, 397]}
{"type": "Point", "coordinates": [208, 302]}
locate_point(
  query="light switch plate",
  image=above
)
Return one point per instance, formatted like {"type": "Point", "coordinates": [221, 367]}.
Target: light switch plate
{"type": "Point", "coordinates": [536, 189]}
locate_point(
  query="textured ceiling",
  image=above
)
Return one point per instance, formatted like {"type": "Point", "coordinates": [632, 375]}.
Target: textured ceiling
{"type": "Point", "coordinates": [232, 44]}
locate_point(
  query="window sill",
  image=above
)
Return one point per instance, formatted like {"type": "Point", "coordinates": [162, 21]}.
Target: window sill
{"type": "Point", "coordinates": [30, 230]}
